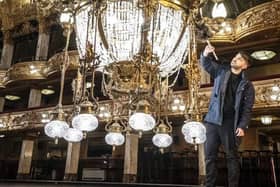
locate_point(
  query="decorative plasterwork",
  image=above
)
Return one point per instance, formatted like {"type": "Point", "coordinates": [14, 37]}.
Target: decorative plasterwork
{"type": "Point", "coordinates": [3, 78]}
{"type": "Point", "coordinates": [19, 120]}
{"type": "Point", "coordinates": [24, 29]}
{"type": "Point", "coordinates": [27, 70]}
{"type": "Point", "coordinates": [35, 70]}
{"type": "Point", "coordinates": [258, 19]}
{"type": "Point", "coordinates": [13, 15]}
{"type": "Point", "coordinates": [54, 63]}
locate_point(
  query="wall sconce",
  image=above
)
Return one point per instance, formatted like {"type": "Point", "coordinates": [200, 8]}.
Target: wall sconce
{"type": "Point", "coordinates": [266, 119]}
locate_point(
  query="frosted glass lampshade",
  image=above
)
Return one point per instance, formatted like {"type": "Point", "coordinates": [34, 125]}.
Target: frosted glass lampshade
{"type": "Point", "coordinates": [162, 140]}
{"type": "Point", "coordinates": [66, 17]}
{"type": "Point", "coordinates": [73, 135]}
{"type": "Point", "coordinates": [219, 10]}
{"type": "Point", "coordinates": [266, 119]}
{"type": "Point", "coordinates": [114, 138]}
{"type": "Point", "coordinates": [141, 121]}
{"type": "Point", "coordinates": [85, 122]}
{"type": "Point", "coordinates": [194, 132]}
{"type": "Point", "coordinates": [56, 128]}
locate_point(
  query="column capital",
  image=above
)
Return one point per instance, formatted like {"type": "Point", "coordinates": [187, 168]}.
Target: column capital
{"type": "Point", "coordinates": [7, 37]}
{"type": "Point", "coordinates": [44, 25]}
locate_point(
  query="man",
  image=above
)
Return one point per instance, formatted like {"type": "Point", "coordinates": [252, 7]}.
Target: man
{"type": "Point", "coordinates": [229, 113]}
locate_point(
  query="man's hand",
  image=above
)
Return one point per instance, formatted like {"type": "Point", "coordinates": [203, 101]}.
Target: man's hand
{"type": "Point", "coordinates": [208, 49]}
{"type": "Point", "coordinates": [239, 132]}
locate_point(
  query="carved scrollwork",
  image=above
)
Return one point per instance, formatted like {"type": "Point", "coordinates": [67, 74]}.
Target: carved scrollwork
{"type": "Point", "coordinates": [261, 18]}
{"type": "Point", "coordinates": [56, 61]}
{"type": "Point", "coordinates": [27, 71]}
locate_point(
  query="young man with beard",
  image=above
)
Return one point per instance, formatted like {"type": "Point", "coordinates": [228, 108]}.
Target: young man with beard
{"type": "Point", "coordinates": [229, 113]}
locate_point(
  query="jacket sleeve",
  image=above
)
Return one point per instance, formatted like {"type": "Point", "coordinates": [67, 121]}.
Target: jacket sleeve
{"type": "Point", "coordinates": [248, 102]}
{"type": "Point", "coordinates": [209, 65]}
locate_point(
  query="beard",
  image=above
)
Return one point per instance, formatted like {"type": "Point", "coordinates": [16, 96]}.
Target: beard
{"type": "Point", "coordinates": [235, 66]}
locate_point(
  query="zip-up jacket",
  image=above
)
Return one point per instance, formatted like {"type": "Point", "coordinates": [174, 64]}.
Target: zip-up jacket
{"type": "Point", "coordinates": [244, 99]}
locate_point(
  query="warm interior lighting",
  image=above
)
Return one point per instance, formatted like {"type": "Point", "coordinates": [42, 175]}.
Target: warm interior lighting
{"type": "Point", "coordinates": [85, 121]}
{"type": "Point", "coordinates": [178, 104]}
{"type": "Point", "coordinates": [263, 54]}
{"type": "Point", "coordinates": [66, 17]}
{"type": "Point", "coordinates": [47, 91]}
{"type": "Point", "coordinates": [114, 137]}
{"type": "Point", "coordinates": [12, 97]}
{"type": "Point", "coordinates": [73, 135]}
{"type": "Point", "coordinates": [142, 122]}
{"type": "Point", "coordinates": [219, 10]}
{"type": "Point", "coordinates": [266, 119]}
{"type": "Point", "coordinates": [123, 23]}
{"type": "Point", "coordinates": [194, 132]}
{"type": "Point", "coordinates": [56, 129]}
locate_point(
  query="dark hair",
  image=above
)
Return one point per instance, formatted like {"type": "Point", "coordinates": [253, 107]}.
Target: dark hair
{"type": "Point", "coordinates": [246, 57]}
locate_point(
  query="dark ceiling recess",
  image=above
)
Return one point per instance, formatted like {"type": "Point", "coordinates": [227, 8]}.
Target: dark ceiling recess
{"type": "Point", "coordinates": [234, 7]}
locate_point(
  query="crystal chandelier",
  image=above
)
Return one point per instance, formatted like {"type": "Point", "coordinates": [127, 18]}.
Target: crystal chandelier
{"type": "Point", "coordinates": [123, 30]}
{"type": "Point", "coordinates": [135, 43]}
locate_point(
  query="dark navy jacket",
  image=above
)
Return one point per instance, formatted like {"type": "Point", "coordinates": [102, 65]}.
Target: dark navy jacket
{"type": "Point", "coordinates": [245, 95]}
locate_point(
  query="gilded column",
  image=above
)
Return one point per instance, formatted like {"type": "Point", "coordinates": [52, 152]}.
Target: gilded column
{"type": "Point", "coordinates": [43, 40]}
{"type": "Point", "coordinates": [2, 103]}
{"type": "Point", "coordinates": [72, 161]}
{"type": "Point", "coordinates": [24, 166]}
{"type": "Point", "coordinates": [130, 158]}
{"type": "Point", "coordinates": [7, 51]}
{"type": "Point", "coordinates": [34, 98]}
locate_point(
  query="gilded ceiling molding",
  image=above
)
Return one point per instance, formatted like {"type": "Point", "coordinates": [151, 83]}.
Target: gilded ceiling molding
{"type": "Point", "coordinates": [16, 13]}
{"type": "Point", "coordinates": [264, 17]}
{"type": "Point", "coordinates": [260, 18]}
{"type": "Point", "coordinates": [27, 71]}
{"type": "Point", "coordinates": [24, 29]}
{"type": "Point", "coordinates": [36, 70]}
{"type": "Point", "coordinates": [3, 78]}
{"type": "Point", "coordinates": [19, 120]}
{"type": "Point", "coordinates": [54, 63]}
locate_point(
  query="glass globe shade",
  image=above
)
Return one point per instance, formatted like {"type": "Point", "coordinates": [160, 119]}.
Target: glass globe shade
{"type": "Point", "coordinates": [73, 135]}
{"type": "Point", "coordinates": [219, 10]}
{"type": "Point", "coordinates": [162, 140]}
{"type": "Point", "coordinates": [273, 97]}
{"type": "Point", "coordinates": [114, 138]}
{"type": "Point", "coordinates": [85, 122]}
{"type": "Point", "coordinates": [66, 17]}
{"type": "Point", "coordinates": [141, 121]}
{"type": "Point", "coordinates": [275, 88]}
{"type": "Point", "coordinates": [194, 132]}
{"type": "Point", "coordinates": [56, 128]}
{"type": "Point", "coordinates": [196, 140]}
{"type": "Point", "coordinates": [266, 120]}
